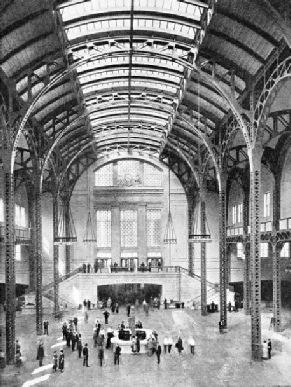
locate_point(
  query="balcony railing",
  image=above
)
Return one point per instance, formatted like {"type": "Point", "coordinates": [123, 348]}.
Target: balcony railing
{"type": "Point", "coordinates": [22, 235]}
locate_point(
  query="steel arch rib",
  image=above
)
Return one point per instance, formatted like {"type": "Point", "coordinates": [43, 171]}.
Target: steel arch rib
{"type": "Point", "coordinates": [232, 103]}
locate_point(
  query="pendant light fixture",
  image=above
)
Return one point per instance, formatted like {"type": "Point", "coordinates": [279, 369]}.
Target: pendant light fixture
{"type": "Point", "coordinates": [200, 226]}
{"type": "Point", "coordinates": [66, 229]}
{"type": "Point", "coordinates": [90, 235]}
{"type": "Point", "coordinates": [170, 236]}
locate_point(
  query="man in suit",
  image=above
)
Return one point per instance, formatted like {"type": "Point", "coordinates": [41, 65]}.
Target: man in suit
{"type": "Point", "coordinates": [158, 353]}
{"type": "Point", "coordinates": [85, 355]}
{"type": "Point", "coordinates": [117, 354]}
{"type": "Point", "coordinates": [269, 348]}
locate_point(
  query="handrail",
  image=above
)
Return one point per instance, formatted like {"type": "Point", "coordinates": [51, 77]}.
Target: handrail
{"type": "Point", "coordinates": [62, 278]}
{"type": "Point", "coordinates": [118, 269]}
{"type": "Point", "coordinates": [193, 275]}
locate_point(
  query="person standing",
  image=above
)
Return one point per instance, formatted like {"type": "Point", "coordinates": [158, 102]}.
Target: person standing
{"type": "Point", "coordinates": [73, 341]}
{"type": "Point", "coordinates": [165, 344]}
{"type": "Point", "coordinates": [85, 355]}
{"type": "Point", "coordinates": [69, 337]}
{"type": "Point", "coordinates": [79, 346]}
{"type": "Point", "coordinates": [165, 303]}
{"type": "Point", "coordinates": [179, 345]}
{"type": "Point", "coordinates": [137, 345]}
{"type": "Point", "coordinates": [85, 304]}
{"type": "Point", "coordinates": [191, 343]}
{"type": "Point", "coordinates": [117, 354]}
{"type": "Point", "coordinates": [61, 360]}
{"type": "Point", "coordinates": [40, 353]}
{"type": "Point", "coordinates": [113, 307]}
{"type": "Point", "coordinates": [158, 353]}
{"type": "Point", "coordinates": [55, 361]}
{"type": "Point", "coordinates": [265, 350]}
{"type": "Point", "coordinates": [45, 327]}
{"type": "Point", "coordinates": [116, 308]}
{"type": "Point", "coordinates": [89, 304]}
{"type": "Point", "coordinates": [110, 334]}
{"type": "Point", "coordinates": [106, 315]}
{"type": "Point", "coordinates": [128, 309]}
{"type": "Point", "coordinates": [17, 347]}
{"type": "Point", "coordinates": [100, 347]}
{"type": "Point", "coordinates": [170, 344]}
{"type": "Point", "coordinates": [269, 348]}
{"type": "Point", "coordinates": [64, 329]}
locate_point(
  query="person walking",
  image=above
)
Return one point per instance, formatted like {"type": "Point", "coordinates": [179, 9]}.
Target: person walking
{"type": "Point", "coordinates": [128, 309]}
{"type": "Point", "coordinates": [61, 360]}
{"type": "Point", "coordinates": [158, 353]}
{"type": "Point", "coordinates": [116, 308]}
{"type": "Point", "coordinates": [40, 353]}
{"type": "Point", "coordinates": [75, 322]}
{"type": "Point", "coordinates": [79, 346]}
{"type": "Point", "coordinates": [85, 355]}
{"type": "Point", "coordinates": [117, 354]}
{"type": "Point", "coordinates": [269, 348]}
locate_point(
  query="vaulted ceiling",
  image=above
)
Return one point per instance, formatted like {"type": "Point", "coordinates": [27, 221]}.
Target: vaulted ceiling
{"type": "Point", "coordinates": [135, 75]}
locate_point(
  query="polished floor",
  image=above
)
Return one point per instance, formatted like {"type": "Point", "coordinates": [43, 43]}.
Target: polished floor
{"type": "Point", "coordinates": [219, 360]}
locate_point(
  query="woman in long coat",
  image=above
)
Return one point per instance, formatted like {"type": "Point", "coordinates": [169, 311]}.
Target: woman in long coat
{"type": "Point", "coordinates": [61, 360]}
{"type": "Point", "coordinates": [179, 345]}
{"type": "Point", "coordinates": [40, 353]}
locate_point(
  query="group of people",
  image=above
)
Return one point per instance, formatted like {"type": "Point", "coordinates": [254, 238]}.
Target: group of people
{"type": "Point", "coordinates": [87, 304]}
{"type": "Point", "coordinates": [113, 306]}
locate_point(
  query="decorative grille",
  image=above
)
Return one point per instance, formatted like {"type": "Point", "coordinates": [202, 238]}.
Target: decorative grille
{"type": "Point", "coordinates": [104, 176]}
{"type": "Point", "coordinates": [152, 176]}
{"type": "Point", "coordinates": [128, 173]}
{"type": "Point", "coordinates": [153, 228]}
{"type": "Point", "coordinates": [128, 226]}
{"type": "Point", "coordinates": [104, 228]}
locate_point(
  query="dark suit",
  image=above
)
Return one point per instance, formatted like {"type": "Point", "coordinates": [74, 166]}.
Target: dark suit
{"type": "Point", "coordinates": [117, 354]}
{"type": "Point", "coordinates": [85, 355]}
{"type": "Point", "coordinates": [158, 353]}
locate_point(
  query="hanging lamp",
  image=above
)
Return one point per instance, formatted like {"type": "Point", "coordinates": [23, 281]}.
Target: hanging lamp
{"type": "Point", "coordinates": [170, 236]}
{"type": "Point", "coordinates": [89, 236]}
{"type": "Point", "coordinates": [200, 226]}
{"type": "Point", "coordinates": [201, 233]}
{"type": "Point", "coordinates": [66, 234]}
